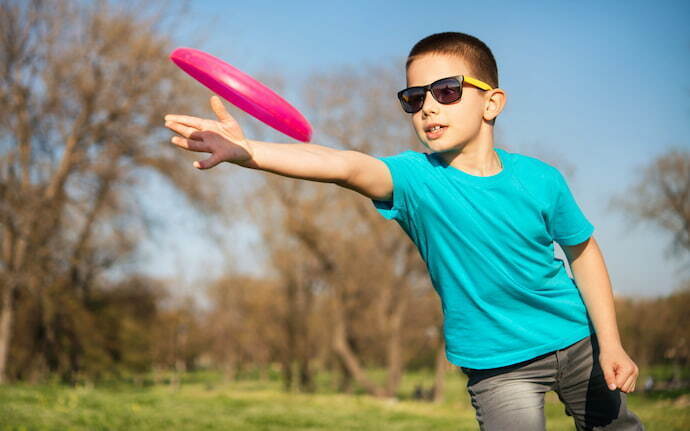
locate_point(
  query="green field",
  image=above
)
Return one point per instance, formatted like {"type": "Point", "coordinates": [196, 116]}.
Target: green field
{"type": "Point", "coordinates": [202, 401]}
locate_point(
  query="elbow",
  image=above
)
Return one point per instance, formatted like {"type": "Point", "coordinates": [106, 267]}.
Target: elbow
{"type": "Point", "coordinates": [363, 174]}
{"type": "Point", "coordinates": [344, 166]}
{"type": "Point", "coordinates": [573, 252]}
{"type": "Point", "coordinates": [348, 172]}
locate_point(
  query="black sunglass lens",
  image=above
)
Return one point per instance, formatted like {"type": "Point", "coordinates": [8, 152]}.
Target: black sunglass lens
{"type": "Point", "coordinates": [412, 99]}
{"type": "Point", "coordinates": [447, 91]}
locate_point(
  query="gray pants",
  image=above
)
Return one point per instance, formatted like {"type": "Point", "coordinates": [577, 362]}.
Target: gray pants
{"type": "Point", "coordinates": [512, 397]}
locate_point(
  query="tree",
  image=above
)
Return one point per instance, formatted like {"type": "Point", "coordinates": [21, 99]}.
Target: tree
{"type": "Point", "coordinates": [244, 323]}
{"type": "Point", "coordinates": [662, 196]}
{"type": "Point", "coordinates": [365, 265]}
{"type": "Point", "coordinates": [84, 87]}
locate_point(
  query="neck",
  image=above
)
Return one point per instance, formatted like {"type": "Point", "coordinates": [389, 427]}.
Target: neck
{"type": "Point", "coordinates": [476, 157]}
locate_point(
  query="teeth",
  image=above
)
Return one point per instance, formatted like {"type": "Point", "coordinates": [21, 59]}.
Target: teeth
{"type": "Point", "coordinates": [434, 128]}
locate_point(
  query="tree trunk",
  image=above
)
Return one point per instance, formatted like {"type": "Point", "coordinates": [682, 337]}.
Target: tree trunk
{"type": "Point", "coordinates": [6, 316]}
{"type": "Point", "coordinates": [287, 374]}
{"type": "Point", "coordinates": [290, 333]}
{"type": "Point", "coordinates": [13, 251]}
{"type": "Point", "coordinates": [306, 380]}
{"type": "Point", "coordinates": [441, 365]}
{"type": "Point", "coordinates": [345, 383]}
{"type": "Point", "coordinates": [395, 360]}
{"type": "Point", "coordinates": [349, 359]}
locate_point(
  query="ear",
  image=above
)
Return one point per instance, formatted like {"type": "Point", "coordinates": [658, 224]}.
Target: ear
{"type": "Point", "coordinates": [495, 101]}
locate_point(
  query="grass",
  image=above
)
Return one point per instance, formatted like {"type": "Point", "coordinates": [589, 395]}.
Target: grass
{"type": "Point", "coordinates": [202, 401]}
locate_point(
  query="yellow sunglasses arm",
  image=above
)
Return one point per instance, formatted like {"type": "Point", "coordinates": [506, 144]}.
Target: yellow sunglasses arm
{"type": "Point", "coordinates": [477, 83]}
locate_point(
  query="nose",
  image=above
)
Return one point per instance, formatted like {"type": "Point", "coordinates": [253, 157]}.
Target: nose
{"type": "Point", "coordinates": [430, 104]}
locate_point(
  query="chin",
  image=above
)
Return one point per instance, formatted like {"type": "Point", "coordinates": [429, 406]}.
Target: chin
{"type": "Point", "coordinates": [434, 147]}
{"type": "Point", "coordinates": [439, 147]}
{"type": "Point", "coordinates": [431, 145]}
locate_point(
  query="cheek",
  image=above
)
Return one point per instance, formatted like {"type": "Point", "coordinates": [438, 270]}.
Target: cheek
{"type": "Point", "coordinates": [419, 132]}
{"type": "Point", "coordinates": [475, 109]}
{"type": "Point", "coordinates": [466, 116]}
{"type": "Point", "coordinates": [417, 125]}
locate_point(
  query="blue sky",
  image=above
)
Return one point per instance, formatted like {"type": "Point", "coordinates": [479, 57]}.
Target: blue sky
{"type": "Point", "coordinates": [605, 86]}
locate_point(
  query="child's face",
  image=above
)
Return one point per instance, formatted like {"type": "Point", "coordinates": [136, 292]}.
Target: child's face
{"type": "Point", "coordinates": [462, 119]}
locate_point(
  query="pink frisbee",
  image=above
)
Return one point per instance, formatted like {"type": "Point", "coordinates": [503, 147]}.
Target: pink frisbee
{"type": "Point", "coordinates": [243, 91]}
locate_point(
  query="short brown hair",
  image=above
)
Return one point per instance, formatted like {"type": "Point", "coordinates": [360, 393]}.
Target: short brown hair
{"type": "Point", "coordinates": [472, 50]}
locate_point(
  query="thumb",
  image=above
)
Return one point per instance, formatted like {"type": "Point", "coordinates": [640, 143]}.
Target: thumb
{"type": "Point", "coordinates": [219, 109]}
{"type": "Point", "coordinates": [609, 375]}
{"type": "Point", "coordinates": [207, 163]}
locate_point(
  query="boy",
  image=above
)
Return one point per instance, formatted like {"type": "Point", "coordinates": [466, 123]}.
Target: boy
{"type": "Point", "coordinates": [484, 221]}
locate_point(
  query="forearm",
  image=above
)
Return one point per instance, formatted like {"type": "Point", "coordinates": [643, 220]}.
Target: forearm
{"type": "Point", "coordinates": [299, 160]}
{"type": "Point", "coordinates": [592, 279]}
{"type": "Point", "coordinates": [226, 142]}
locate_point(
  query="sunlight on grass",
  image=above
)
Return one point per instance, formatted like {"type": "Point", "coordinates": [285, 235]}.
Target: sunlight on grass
{"type": "Point", "coordinates": [211, 404]}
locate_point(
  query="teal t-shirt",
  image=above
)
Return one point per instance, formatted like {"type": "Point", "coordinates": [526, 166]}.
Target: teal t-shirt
{"type": "Point", "coordinates": [488, 246]}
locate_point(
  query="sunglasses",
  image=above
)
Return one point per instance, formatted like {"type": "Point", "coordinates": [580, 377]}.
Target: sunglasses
{"type": "Point", "coordinates": [445, 91]}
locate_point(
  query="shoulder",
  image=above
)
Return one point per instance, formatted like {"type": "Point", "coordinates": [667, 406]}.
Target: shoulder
{"type": "Point", "coordinates": [408, 155]}
{"type": "Point", "coordinates": [537, 178]}
{"type": "Point", "coordinates": [528, 162]}
{"type": "Point", "coordinates": [533, 168]}
{"type": "Point", "coordinates": [409, 159]}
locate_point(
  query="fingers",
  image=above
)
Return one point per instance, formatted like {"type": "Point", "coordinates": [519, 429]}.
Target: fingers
{"type": "Point", "coordinates": [193, 130]}
{"type": "Point", "coordinates": [621, 377]}
{"type": "Point", "coordinates": [208, 163]}
{"type": "Point", "coordinates": [186, 131]}
{"type": "Point", "coordinates": [631, 373]}
{"type": "Point", "coordinates": [609, 376]}
{"type": "Point", "coordinates": [187, 120]}
{"type": "Point", "coordinates": [219, 109]}
{"type": "Point", "coordinates": [191, 144]}
{"type": "Point", "coordinates": [625, 372]}
{"type": "Point", "coordinates": [629, 384]}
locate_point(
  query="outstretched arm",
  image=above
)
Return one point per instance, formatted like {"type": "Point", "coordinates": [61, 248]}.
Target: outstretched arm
{"type": "Point", "coordinates": [226, 142]}
{"type": "Point", "coordinates": [592, 278]}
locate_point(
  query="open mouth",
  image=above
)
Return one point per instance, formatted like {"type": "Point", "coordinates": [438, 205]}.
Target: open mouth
{"type": "Point", "coordinates": [435, 132]}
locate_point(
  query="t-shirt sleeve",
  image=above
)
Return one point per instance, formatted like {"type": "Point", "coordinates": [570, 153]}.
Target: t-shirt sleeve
{"type": "Point", "coordinates": [401, 169]}
{"type": "Point", "coordinates": [568, 224]}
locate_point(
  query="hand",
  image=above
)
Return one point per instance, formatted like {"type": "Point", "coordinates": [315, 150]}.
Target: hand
{"type": "Point", "coordinates": [619, 370]}
{"type": "Point", "coordinates": [223, 139]}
